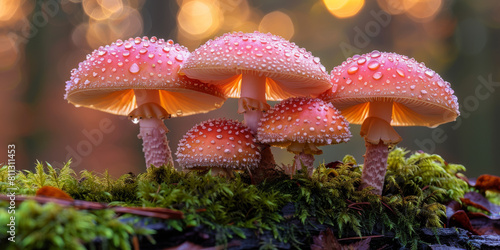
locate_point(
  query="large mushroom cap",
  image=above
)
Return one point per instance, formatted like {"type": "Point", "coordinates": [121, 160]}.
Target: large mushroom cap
{"type": "Point", "coordinates": [290, 70]}
{"type": "Point", "coordinates": [303, 120]}
{"type": "Point", "coordinates": [420, 96]}
{"type": "Point", "coordinates": [107, 78]}
{"type": "Point", "coordinates": [218, 143]}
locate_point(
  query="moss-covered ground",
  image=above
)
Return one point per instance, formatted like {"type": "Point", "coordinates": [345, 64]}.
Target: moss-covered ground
{"type": "Point", "coordinates": [417, 187]}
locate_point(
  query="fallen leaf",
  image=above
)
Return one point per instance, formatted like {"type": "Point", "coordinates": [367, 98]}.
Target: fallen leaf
{"type": "Point", "coordinates": [48, 191]}
{"type": "Point", "coordinates": [326, 240]}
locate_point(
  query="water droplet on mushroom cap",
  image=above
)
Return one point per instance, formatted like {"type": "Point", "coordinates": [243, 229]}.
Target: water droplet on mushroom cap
{"type": "Point", "coordinates": [377, 75]}
{"type": "Point", "coordinates": [134, 68]}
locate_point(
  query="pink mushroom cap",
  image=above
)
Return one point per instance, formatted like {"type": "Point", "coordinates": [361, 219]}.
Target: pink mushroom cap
{"type": "Point", "coordinates": [289, 70]}
{"type": "Point", "coordinates": [303, 120]}
{"type": "Point", "coordinates": [218, 143]}
{"type": "Point", "coordinates": [106, 79]}
{"type": "Point", "coordinates": [420, 96]}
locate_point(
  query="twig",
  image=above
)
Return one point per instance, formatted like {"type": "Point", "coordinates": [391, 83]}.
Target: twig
{"type": "Point", "coordinates": [162, 213]}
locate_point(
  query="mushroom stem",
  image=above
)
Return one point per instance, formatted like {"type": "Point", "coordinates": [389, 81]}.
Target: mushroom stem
{"type": "Point", "coordinates": [304, 159]}
{"type": "Point", "coordinates": [154, 142]}
{"type": "Point", "coordinates": [153, 132]}
{"type": "Point", "coordinates": [253, 86]}
{"type": "Point", "coordinates": [375, 167]}
{"type": "Point", "coordinates": [375, 164]}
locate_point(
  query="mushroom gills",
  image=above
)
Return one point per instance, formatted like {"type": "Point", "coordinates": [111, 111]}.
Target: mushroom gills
{"type": "Point", "coordinates": [149, 110]}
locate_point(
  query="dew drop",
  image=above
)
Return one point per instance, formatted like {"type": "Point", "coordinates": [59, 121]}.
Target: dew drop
{"type": "Point", "coordinates": [429, 73]}
{"type": "Point", "coordinates": [352, 70]}
{"type": "Point", "coordinates": [413, 87]}
{"type": "Point", "coordinates": [400, 72]}
{"type": "Point", "coordinates": [373, 65]}
{"type": "Point", "coordinates": [375, 54]}
{"type": "Point", "coordinates": [126, 53]}
{"type": "Point", "coordinates": [179, 112]}
{"type": "Point", "coordinates": [179, 58]}
{"type": "Point", "coordinates": [102, 52]}
{"type": "Point", "coordinates": [377, 75]}
{"type": "Point", "coordinates": [134, 68]}
{"type": "Point", "coordinates": [135, 120]}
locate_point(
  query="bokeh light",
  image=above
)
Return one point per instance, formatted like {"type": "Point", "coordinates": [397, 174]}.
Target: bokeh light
{"type": "Point", "coordinates": [8, 9]}
{"type": "Point", "coordinates": [393, 7]}
{"type": "Point", "coordinates": [128, 23]}
{"type": "Point", "coordinates": [102, 9]}
{"type": "Point", "coordinates": [344, 8]}
{"type": "Point", "coordinates": [422, 10]}
{"type": "Point", "coordinates": [277, 23]}
{"type": "Point", "coordinates": [8, 52]}
{"type": "Point", "coordinates": [198, 18]}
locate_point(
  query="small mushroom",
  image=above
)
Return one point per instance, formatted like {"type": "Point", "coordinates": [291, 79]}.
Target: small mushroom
{"type": "Point", "coordinates": [139, 78]}
{"type": "Point", "coordinates": [382, 90]}
{"type": "Point", "coordinates": [302, 124]}
{"type": "Point", "coordinates": [256, 67]}
{"type": "Point", "coordinates": [221, 145]}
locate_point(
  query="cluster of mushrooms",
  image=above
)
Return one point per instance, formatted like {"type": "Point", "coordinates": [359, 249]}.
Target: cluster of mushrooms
{"type": "Point", "coordinates": [150, 79]}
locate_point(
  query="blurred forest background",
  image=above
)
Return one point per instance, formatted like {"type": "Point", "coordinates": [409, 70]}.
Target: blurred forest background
{"type": "Point", "coordinates": [41, 41]}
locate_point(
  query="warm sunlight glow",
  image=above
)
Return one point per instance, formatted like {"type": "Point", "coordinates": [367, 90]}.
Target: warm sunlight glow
{"type": "Point", "coordinates": [422, 9]}
{"type": "Point", "coordinates": [277, 23]}
{"type": "Point", "coordinates": [344, 8]}
{"type": "Point", "coordinates": [102, 9]}
{"type": "Point", "coordinates": [393, 7]}
{"type": "Point", "coordinates": [198, 18]}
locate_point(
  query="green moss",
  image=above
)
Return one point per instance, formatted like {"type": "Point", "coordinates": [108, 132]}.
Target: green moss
{"type": "Point", "coordinates": [416, 188]}
{"type": "Point", "coordinates": [51, 226]}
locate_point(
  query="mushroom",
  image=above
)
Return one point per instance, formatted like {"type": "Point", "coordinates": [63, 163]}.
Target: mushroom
{"type": "Point", "coordinates": [220, 144]}
{"type": "Point", "coordinates": [302, 124]}
{"type": "Point", "coordinates": [256, 67]}
{"type": "Point", "coordinates": [381, 90]}
{"type": "Point", "coordinates": [139, 78]}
